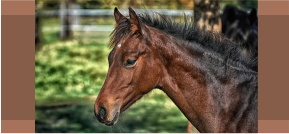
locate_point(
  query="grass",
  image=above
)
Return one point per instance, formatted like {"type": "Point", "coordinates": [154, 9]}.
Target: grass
{"type": "Point", "coordinates": [147, 115]}
{"type": "Point", "coordinates": [75, 68]}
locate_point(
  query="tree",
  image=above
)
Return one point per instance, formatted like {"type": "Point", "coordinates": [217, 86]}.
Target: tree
{"type": "Point", "coordinates": [38, 36]}
{"type": "Point", "coordinates": [207, 14]}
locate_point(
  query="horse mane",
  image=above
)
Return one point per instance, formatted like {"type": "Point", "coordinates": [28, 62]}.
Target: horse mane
{"type": "Point", "coordinates": [190, 31]}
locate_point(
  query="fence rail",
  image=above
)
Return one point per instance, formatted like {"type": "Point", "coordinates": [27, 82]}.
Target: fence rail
{"type": "Point", "coordinates": [104, 12]}
{"type": "Point", "coordinates": [77, 13]}
{"type": "Point", "coordinates": [82, 28]}
{"type": "Point", "coordinates": [109, 12]}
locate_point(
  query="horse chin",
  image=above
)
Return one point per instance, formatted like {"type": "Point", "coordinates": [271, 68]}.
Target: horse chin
{"type": "Point", "coordinates": [126, 106]}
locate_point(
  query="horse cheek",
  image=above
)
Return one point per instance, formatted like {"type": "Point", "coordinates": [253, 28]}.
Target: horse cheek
{"type": "Point", "coordinates": [148, 78]}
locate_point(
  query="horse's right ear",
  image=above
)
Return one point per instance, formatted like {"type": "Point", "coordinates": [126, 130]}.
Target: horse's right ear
{"type": "Point", "coordinates": [117, 15]}
{"type": "Point", "coordinates": [253, 16]}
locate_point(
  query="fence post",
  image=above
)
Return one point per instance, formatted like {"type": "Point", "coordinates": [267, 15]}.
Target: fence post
{"type": "Point", "coordinates": [75, 17]}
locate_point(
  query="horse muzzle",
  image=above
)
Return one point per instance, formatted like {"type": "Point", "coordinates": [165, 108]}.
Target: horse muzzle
{"type": "Point", "coordinates": [102, 114]}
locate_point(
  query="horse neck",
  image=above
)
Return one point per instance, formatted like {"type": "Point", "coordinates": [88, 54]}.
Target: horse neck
{"type": "Point", "coordinates": [181, 80]}
{"type": "Point", "coordinates": [184, 79]}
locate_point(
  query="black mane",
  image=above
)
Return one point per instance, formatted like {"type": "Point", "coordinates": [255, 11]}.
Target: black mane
{"type": "Point", "coordinates": [191, 32]}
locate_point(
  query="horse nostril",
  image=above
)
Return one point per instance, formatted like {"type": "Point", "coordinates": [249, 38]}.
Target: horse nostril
{"type": "Point", "coordinates": [102, 112]}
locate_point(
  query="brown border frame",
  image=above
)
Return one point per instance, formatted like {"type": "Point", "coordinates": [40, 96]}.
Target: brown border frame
{"type": "Point", "coordinates": [18, 66]}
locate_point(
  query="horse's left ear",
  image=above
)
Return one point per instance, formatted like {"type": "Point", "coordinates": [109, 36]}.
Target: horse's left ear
{"type": "Point", "coordinates": [117, 15]}
{"type": "Point", "coordinates": [232, 13]}
{"type": "Point", "coordinates": [135, 20]}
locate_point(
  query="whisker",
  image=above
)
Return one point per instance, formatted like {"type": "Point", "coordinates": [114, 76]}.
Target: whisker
{"type": "Point", "coordinates": [122, 127]}
{"type": "Point", "coordinates": [118, 128]}
{"type": "Point", "coordinates": [110, 129]}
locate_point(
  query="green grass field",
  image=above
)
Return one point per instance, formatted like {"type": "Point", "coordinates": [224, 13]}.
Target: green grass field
{"type": "Point", "coordinates": [68, 78]}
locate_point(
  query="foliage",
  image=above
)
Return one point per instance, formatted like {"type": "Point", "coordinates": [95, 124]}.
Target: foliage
{"type": "Point", "coordinates": [110, 4]}
{"type": "Point", "coordinates": [241, 4]}
{"type": "Point", "coordinates": [47, 4]}
{"type": "Point", "coordinates": [230, 2]}
{"type": "Point", "coordinates": [152, 4]}
{"type": "Point", "coordinates": [248, 4]}
{"type": "Point", "coordinates": [73, 68]}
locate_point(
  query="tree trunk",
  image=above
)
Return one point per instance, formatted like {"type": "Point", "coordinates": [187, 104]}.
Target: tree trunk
{"type": "Point", "coordinates": [38, 36]}
{"type": "Point", "coordinates": [207, 14]}
{"type": "Point", "coordinates": [65, 32]}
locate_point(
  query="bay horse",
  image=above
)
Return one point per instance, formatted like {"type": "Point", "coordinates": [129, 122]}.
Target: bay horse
{"type": "Point", "coordinates": [204, 73]}
{"type": "Point", "coordinates": [240, 26]}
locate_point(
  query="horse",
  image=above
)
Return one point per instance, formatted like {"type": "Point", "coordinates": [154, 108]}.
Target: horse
{"type": "Point", "coordinates": [241, 26]}
{"type": "Point", "coordinates": [202, 72]}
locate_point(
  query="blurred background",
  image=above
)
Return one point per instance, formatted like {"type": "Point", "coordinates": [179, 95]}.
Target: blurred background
{"type": "Point", "coordinates": [71, 50]}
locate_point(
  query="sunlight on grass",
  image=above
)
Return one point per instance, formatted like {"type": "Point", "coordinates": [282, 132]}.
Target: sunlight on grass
{"type": "Point", "coordinates": [68, 68]}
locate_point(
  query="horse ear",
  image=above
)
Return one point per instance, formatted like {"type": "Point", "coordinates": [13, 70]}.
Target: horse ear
{"type": "Point", "coordinates": [231, 14]}
{"type": "Point", "coordinates": [117, 15]}
{"type": "Point", "coordinates": [253, 16]}
{"type": "Point", "coordinates": [135, 20]}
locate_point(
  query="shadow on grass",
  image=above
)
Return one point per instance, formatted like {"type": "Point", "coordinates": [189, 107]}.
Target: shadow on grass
{"type": "Point", "coordinates": [141, 117]}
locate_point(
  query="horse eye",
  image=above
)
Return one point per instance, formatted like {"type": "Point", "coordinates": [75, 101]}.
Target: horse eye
{"type": "Point", "coordinates": [129, 62]}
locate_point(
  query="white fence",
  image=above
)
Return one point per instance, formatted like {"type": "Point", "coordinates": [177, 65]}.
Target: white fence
{"type": "Point", "coordinates": [82, 28]}
{"type": "Point", "coordinates": [77, 13]}
{"type": "Point", "coordinates": [109, 12]}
